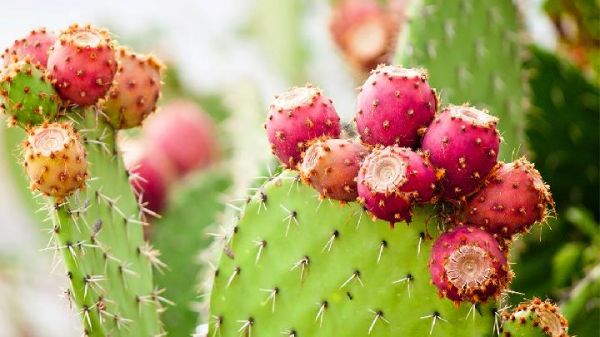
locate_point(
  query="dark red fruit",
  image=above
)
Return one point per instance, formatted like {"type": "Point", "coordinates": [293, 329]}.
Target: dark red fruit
{"type": "Point", "coordinates": [331, 166]}
{"type": "Point", "coordinates": [296, 117]}
{"type": "Point", "coordinates": [150, 174]}
{"type": "Point", "coordinates": [467, 264]}
{"type": "Point", "coordinates": [513, 198]}
{"type": "Point", "coordinates": [395, 105]}
{"type": "Point", "coordinates": [391, 179]}
{"type": "Point", "coordinates": [464, 142]}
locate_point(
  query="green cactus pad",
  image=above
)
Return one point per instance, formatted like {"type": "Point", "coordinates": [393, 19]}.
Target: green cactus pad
{"type": "Point", "coordinates": [534, 319]}
{"type": "Point", "coordinates": [98, 232]}
{"type": "Point", "coordinates": [471, 50]}
{"type": "Point", "coordinates": [180, 237]}
{"type": "Point", "coordinates": [26, 95]}
{"type": "Point", "coordinates": [304, 267]}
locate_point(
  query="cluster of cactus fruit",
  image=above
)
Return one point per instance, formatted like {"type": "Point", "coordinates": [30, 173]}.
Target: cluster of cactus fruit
{"type": "Point", "coordinates": [408, 155]}
{"type": "Point", "coordinates": [71, 92]}
{"type": "Point", "coordinates": [45, 75]}
{"type": "Point", "coordinates": [391, 169]}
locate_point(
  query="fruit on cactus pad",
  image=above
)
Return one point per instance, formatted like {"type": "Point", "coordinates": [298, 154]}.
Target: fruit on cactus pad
{"type": "Point", "coordinates": [463, 141]}
{"type": "Point", "coordinates": [395, 105]}
{"type": "Point", "coordinates": [26, 95]}
{"type": "Point", "coordinates": [365, 32]}
{"type": "Point", "coordinates": [391, 179]}
{"type": "Point", "coordinates": [513, 198]}
{"type": "Point", "coordinates": [185, 134]}
{"type": "Point", "coordinates": [35, 46]}
{"type": "Point", "coordinates": [534, 318]}
{"type": "Point", "coordinates": [467, 264]}
{"type": "Point", "coordinates": [82, 64]}
{"type": "Point", "coordinates": [296, 117]}
{"type": "Point", "coordinates": [331, 165]}
{"type": "Point", "coordinates": [55, 160]}
{"type": "Point", "coordinates": [135, 90]}
{"type": "Point", "coordinates": [151, 174]}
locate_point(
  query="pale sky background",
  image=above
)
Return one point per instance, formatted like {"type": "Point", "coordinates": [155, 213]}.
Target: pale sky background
{"type": "Point", "coordinates": [201, 37]}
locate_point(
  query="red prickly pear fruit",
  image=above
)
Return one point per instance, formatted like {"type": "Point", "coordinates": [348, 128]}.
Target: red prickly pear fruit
{"type": "Point", "coordinates": [391, 179]}
{"type": "Point", "coordinates": [185, 134]}
{"type": "Point", "coordinates": [395, 105]}
{"type": "Point", "coordinates": [423, 177]}
{"type": "Point", "coordinates": [151, 176]}
{"type": "Point", "coordinates": [464, 142]}
{"type": "Point", "coordinates": [513, 198]}
{"type": "Point", "coordinates": [55, 160]}
{"type": "Point", "coordinates": [82, 64]}
{"type": "Point", "coordinates": [35, 46]}
{"type": "Point", "coordinates": [296, 117]}
{"type": "Point", "coordinates": [331, 166]}
{"type": "Point", "coordinates": [135, 90]}
{"type": "Point", "coordinates": [467, 264]}
{"type": "Point", "coordinates": [364, 31]}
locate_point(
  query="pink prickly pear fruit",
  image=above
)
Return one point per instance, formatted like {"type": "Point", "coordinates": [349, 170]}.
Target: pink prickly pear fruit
{"type": "Point", "coordinates": [467, 264]}
{"type": "Point", "coordinates": [395, 106]}
{"type": "Point", "coordinates": [35, 46]}
{"type": "Point", "coordinates": [464, 142]}
{"type": "Point", "coordinates": [331, 166]}
{"type": "Point", "coordinates": [135, 90]}
{"type": "Point", "coordinates": [364, 31]}
{"type": "Point", "coordinates": [55, 160]}
{"type": "Point", "coordinates": [391, 179]}
{"type": "Point", "coordinates": [185, 134]}
{"type": "Point", "coordinates": [513, 198]}
{"type": "Point", "coordinates": [296, 117]}
{"type": "Point", "coordinates": [82, 64]}
{"type": "Point", "coordinates": [151, 175]}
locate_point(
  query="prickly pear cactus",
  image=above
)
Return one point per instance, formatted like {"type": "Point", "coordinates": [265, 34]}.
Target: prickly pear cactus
{"type": "Point", "coordinates": [98, 232]}
{"type": "Point", "coordinates": [471, 50]}
{"type": "Point", "coordinates": [76, 172]}
{"type": "Point", "coordinates": [302, 266]}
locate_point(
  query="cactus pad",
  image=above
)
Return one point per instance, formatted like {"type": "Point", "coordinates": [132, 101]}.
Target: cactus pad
{"type": "Point", "coordinates": [98, 231]}
{"type": "Point", "coordinates": [303, 267]}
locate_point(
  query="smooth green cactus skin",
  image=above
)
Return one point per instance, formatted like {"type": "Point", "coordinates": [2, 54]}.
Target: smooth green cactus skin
{"type": "Point", "coordinates": [373, 279]}
{"type": "Point", "coordinates": [470, 48]}
{"type": "Point", "coordinates": [98, 232]}
{"type": "Point", "coordinates": [26, 95]}
{"type": "Point", "coordinates": [180, 237]}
